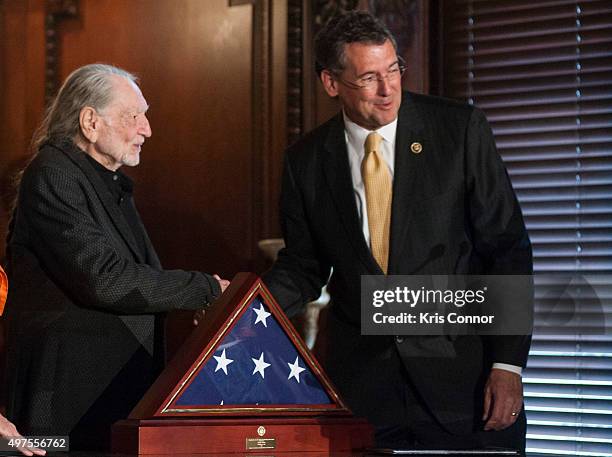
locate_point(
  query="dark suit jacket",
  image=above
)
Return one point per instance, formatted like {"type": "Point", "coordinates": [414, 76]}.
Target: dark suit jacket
{"type": "Point", "coordinates": [453, 212]}
{"type": "Point", "coordinates": [84, 304]}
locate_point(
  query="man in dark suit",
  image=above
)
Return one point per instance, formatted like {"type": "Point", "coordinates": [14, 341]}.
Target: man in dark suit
{"type": "Point", "coordinates": [450, 209]}
{"type": "Point", "coordinates": [88, 292]}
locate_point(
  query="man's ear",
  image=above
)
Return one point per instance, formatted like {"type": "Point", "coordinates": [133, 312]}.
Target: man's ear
{"type": "Point", "coordinates": [330, 84]}
{"type": "Point", "coordinates": [89, 122]}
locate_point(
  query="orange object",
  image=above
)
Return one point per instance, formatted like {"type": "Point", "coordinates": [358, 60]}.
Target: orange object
{"type": "Point", "coordinates": [3, 289]}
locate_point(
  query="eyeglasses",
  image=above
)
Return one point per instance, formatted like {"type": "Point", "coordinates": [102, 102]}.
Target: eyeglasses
{"type": "Point", "coordinates": [370, 82]}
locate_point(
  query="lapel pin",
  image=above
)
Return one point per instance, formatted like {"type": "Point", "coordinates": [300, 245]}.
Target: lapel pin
{"type": "Point", "coordinates": [416, 148]}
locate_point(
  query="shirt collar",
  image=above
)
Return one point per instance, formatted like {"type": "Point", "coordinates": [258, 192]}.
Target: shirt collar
{"type": "Point", "coordinates": [116, 181]}
{"type": "Point", "coordinates": [356, 135]}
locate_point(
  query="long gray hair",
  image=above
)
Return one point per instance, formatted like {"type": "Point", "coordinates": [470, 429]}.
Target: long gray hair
{"type": "Point", "coordinates": [89, 85]}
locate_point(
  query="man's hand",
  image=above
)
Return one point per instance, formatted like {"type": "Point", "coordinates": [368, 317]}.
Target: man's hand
{"type": "Point", "coordinates": [199, 314]}
{"type": "Point", "coordinates": [503, 399]}
{"type": "Point", "coordinates": [7, 429]}
{"type": "Point", "coordinates": [223, 283]}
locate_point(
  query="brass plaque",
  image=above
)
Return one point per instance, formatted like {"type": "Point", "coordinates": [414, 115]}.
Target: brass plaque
{"type": "Point", "coordinates": [260, 443]}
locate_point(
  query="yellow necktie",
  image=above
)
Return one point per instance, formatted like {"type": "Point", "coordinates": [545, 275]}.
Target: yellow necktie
{"type": "Point", "coordinates": [377, 182]}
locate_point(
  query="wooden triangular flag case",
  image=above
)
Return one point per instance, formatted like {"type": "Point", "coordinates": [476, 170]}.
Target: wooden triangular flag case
{"type": "Point", "coordinates": [244, 381]}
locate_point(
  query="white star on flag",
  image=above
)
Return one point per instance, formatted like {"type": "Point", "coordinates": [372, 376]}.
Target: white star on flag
{"type": "Point", "coordinates": [262, 315]}
{"type": "Point", "coordinates": [260, 365]}
{"type": "Point", "coordinates": [222, 362]}
{"type": "Point", "coordinates": [296, 369]}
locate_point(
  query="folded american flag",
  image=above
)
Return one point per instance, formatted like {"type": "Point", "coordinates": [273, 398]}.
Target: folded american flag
{"type": "Point", "coordinates": [256, 363]}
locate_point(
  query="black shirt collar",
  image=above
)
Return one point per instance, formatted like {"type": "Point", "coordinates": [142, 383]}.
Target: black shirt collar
{"type": "Point", "coordinates": [117, 182]}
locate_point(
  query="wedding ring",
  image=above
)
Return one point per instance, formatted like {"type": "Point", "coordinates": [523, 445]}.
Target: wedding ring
{"type": "Point", "coordinates": [514, 413]}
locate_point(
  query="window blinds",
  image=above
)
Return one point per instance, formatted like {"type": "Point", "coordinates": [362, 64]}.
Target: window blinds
{"type": "Point", "coordinates": [542, 73]}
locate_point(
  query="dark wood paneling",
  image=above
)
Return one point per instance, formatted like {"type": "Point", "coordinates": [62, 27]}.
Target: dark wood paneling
{"type": "Point", "coordinates": [195, 182]}
{"type": "Point", "coordinates": [21, 91]}
{"type": "Point", "coordinates": [278, 127]}
{"type": "Point", "coordinates": [55, 12]}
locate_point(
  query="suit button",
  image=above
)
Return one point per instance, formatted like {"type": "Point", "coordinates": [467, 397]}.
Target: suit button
{"type": "Point", "coordinates": [399, 339]}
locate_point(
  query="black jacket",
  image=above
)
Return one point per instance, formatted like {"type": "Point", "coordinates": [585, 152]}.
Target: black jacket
{"type": "Point", "coordinates": [85, 339]}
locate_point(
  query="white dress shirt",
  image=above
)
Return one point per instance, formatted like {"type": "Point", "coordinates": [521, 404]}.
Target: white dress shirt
{"type": "Point", "coordinates": [355, 137]}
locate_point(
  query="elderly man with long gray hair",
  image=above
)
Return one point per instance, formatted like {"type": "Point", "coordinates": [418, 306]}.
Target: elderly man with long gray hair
{"type": "Point", "coordinates": [88, 292]}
